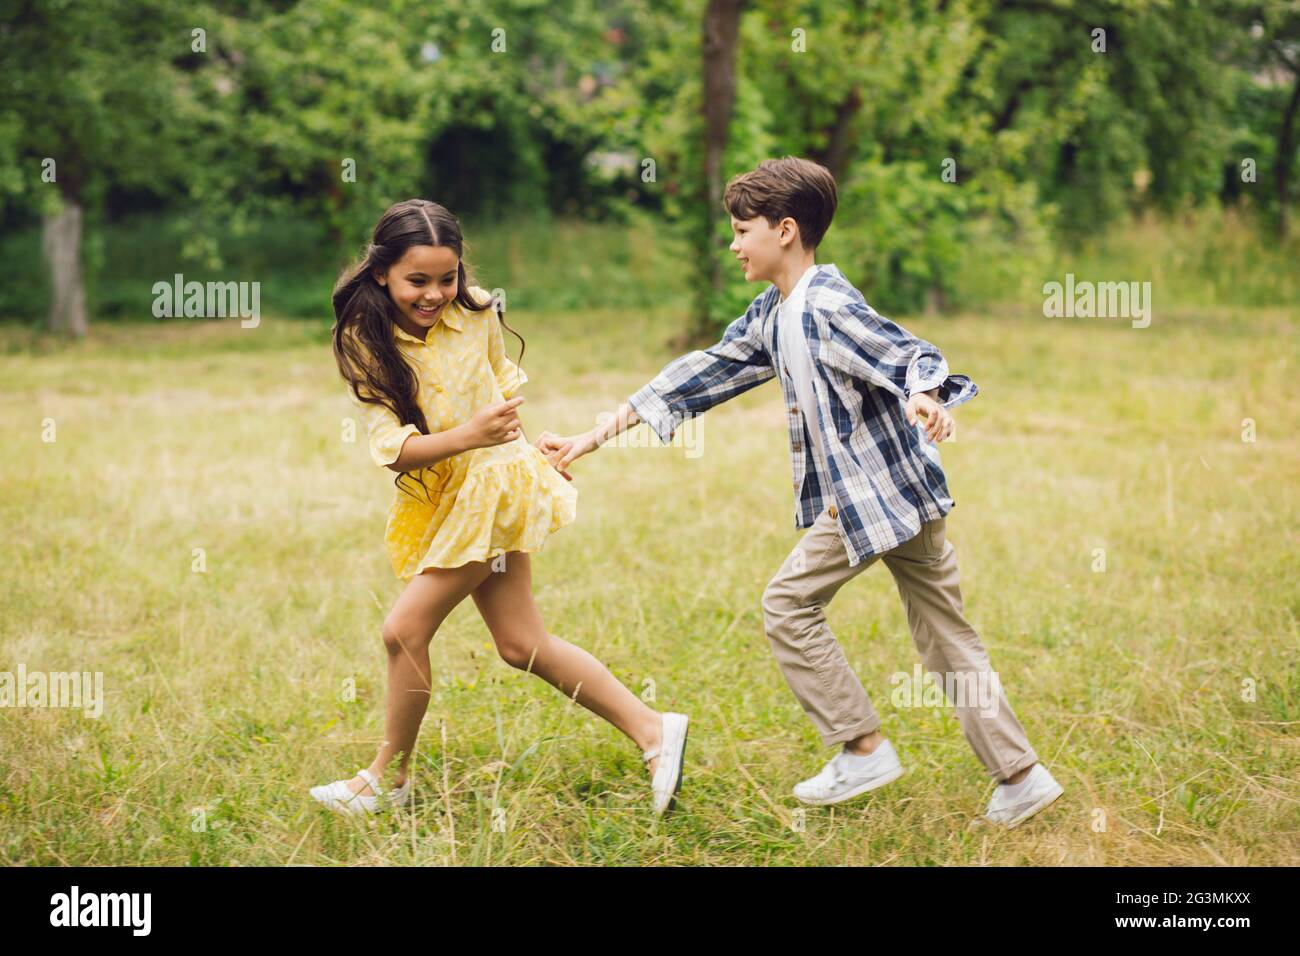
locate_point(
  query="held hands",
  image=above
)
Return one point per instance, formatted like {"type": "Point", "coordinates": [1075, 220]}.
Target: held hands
{"type": "Point", "coordinates": [494, 424]}
{"type": "Point", "coordinates": [938, 423]}
{"type": "Point", "coordinates": [562, 452]}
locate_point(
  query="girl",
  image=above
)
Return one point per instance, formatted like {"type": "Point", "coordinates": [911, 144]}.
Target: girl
{"type": "Point", "coordinates": [425, 364]}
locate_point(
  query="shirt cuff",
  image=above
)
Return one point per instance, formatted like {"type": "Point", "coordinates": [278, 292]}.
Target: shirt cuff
{"type": "Point", "coordinates": [956, 389]}
{"type": "Point", "coordinates": [924, 374]}
{"type": "Point", "coordinates": [654, 411]}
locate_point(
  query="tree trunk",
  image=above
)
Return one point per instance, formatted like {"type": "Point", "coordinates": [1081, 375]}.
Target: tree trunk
{"type": "Point", "coordinates": [61, 246]}
{"type": "Point", "coordinates": [721, 26]}
{"type": "Point", "coordinates": [836, 157]}
{"type": "Point", "coordinates": [1285, 152]}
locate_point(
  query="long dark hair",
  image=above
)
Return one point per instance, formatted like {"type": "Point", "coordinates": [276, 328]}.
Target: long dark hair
{"type": "Point", "coordinates": [364, 347]}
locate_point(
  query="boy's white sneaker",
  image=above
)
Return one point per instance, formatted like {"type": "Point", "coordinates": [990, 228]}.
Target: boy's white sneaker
{"type": "Point", "coordinates": [842, 779]}
{"type": "Point", "coordinates": [338, 796]}
{"type": "Point", "coordinates": [1011, 806]}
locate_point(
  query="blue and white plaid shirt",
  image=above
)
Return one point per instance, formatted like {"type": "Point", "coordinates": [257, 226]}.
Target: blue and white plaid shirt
{"type": "Point", "coordinates": [885, 478]}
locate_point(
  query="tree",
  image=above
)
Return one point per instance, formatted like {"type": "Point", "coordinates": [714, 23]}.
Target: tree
{"type": "Point", "coordinates": [87, 106]}
{"type": "Point", "coordinates": [331, 110]}
{"type": "Point", "coordinates": [721, 25]}
{"type": "Point", "coordinates": [1265, 45]}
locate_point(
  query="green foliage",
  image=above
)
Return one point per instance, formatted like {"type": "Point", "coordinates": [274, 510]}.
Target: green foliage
{"type": "Point", "coordinates": [1045, 135]}
{"type": "Point", "coordinates": [88, 86]}
{"type": "Point", "coordinates": [485, 107]}
{"type": "Point", "coordinates": [518, 110]}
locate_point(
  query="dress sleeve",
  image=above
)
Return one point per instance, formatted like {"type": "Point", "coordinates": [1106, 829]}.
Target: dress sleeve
{"type": "Point", "coordinates": [509, 375]}
{"type": "Point", "coordinates": [385, 434]}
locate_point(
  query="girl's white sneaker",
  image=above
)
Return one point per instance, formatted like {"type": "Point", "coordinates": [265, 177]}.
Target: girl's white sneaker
{"type": "Point", "coordinates": [338, 796]}
{"type": "Point", "coordinates": [1012, 807]}
{"type": "Point", "coordinates": [672, 755]}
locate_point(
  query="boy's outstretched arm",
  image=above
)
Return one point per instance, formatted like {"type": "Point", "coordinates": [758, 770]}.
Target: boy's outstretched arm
{"type": "Point", "coordinates": [563, 452]}
{"type": "Point", "coordinates": [689, 385]}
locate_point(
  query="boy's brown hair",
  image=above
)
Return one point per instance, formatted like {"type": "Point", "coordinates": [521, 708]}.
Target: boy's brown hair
{"type": "Point", "coordinates": [798, 188]}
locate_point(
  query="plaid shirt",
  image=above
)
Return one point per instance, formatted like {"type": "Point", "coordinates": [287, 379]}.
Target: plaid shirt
{"type": "Point", "coordinates": [883, 477]}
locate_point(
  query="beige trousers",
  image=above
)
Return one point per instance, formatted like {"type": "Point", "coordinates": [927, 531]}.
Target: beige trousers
{"type": "Point", "coordinates": [814, 665]}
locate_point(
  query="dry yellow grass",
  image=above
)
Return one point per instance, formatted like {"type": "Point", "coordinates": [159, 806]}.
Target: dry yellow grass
{"type": "Point", "coordinates": [223, 687]}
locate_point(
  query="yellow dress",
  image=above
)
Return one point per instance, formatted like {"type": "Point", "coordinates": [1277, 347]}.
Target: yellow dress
{"type": "Point", "coordinates": [483, 502]}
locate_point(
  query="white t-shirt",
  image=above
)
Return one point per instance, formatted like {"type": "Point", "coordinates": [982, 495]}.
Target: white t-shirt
{"type": "Point", "coordinates": [795, 356]}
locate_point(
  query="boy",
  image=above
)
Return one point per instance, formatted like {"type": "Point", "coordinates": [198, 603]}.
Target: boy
{"type": "Point", "coordinates": [868, 482]}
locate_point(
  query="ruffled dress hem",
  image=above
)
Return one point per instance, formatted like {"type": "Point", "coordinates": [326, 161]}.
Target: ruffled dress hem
{"type": "Point", "coordinates": [501, 506]}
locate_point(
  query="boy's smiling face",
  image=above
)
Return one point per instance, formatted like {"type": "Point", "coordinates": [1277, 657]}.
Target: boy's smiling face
{"type": "Point", "coordinates": [421, 284]}
{"type": "Point", "coordinates": [760, 246]}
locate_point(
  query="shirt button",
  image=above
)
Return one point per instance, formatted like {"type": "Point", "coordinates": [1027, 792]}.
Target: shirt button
{"type": "Point", "coordinates": [794, 409]}
{"type": "Point", "coordinates": [797, 448]}
{"type": "Point", "coordinates": [834, 513]}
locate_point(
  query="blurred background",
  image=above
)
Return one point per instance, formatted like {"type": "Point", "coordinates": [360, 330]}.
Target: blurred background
{"type": "Point", "coordinates": [190, 513]}
{"type": "Point", "coordinates": [972, 142]}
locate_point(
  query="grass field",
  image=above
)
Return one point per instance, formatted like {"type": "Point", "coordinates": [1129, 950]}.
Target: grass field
{"type": "Point", "coordinates": [224, 689]}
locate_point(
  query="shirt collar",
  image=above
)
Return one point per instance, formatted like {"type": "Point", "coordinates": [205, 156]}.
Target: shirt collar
{"type": "Point", "coordinates": [451, 317]}
{"type": "Point", "coordinates": [801, 286]}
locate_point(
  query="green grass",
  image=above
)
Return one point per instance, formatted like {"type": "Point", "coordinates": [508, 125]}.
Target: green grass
{"type": "Point", "coordinates": [223, 688]}
{"type": "Point", "coordinates": [550, 264]}
{"type": "Point", "coordinates": [1209, 259]}
{"type": "Point", "coordinates": [1206, 258]}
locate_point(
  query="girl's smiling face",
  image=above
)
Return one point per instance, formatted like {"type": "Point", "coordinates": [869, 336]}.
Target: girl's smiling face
{"type": "Point", "coordinates": [421, 284]}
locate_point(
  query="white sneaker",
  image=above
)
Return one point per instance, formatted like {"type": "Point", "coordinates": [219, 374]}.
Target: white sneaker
{"type": "Point", "coordinates": [1035, 792]}
{"type": "Point", "coordinates": [838, 781]}
{"type": "Point", "coordinates": [672, 755]}
{"type": "Point", "coordinates": [338, 796]}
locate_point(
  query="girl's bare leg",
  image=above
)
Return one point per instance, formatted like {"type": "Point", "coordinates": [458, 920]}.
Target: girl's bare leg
{"type": "Point", "coordinates": [505, 600]}
{"type": "Point", "coordinates": [420, 609]}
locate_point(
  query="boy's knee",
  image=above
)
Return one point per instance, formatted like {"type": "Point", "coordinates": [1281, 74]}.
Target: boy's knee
{"type": "Point", "coordinates": [780, 604]}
